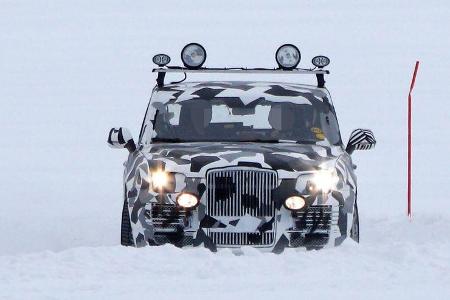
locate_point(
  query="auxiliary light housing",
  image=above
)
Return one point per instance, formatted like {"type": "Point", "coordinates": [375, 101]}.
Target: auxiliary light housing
{"type": "Point", "coordinates": [193, 56]}
{"type": "Point", "coordinates": [161, 60]}
{"type": "Point", "coordinates": [288, 57]}
{"type": "Point", "coordinates": [320, 61]}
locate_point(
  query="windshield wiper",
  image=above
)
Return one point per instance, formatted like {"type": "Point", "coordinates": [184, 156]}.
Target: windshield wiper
{"type": "Point", "coordinates": [256, 141]}
{"type": "Point", "coordinates": [167, 140]}
{"type": "Point", "coordinates": [309, 142]}
{"type": "Point", "coordinates": [178, 140]}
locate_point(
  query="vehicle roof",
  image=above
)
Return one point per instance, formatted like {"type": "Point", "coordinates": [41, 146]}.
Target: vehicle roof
{"type": "Point", "coordinates": [247, 91]}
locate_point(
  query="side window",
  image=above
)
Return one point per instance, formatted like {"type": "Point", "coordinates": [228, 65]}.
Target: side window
{"type": "Point", "coordinates": [147, 126]}
{"type": "Point", "coordinates": [146, 134]}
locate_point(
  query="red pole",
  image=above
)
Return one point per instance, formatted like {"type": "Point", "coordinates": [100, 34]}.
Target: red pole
{"type": "Point", "coordinates": [410, 136]}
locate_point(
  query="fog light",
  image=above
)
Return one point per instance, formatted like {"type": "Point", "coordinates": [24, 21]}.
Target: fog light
{"type": "Point", "coordinates": [187, 200]}
{"type": "Point", "coordinates": [294, 203]}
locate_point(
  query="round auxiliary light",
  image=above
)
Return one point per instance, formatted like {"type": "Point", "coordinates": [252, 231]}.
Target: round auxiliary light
{"type": "Point", "coordinates": [186, 200]}
{"type": "Point", "coordinates": [320, 61]}
{"type": "Point", "coordinates": [161, 59]}
{"type": "Point", "coordinates": [295, 202]}
{"type": "Point", "coordinates": [288, 56]}
{"type": "Point", "coordinates": [193, 55]}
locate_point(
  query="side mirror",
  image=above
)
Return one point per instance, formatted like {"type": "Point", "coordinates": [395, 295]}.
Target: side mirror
{"type": "Point", "coordinates": [121, 138]}
{"type": "Point", "coordinates": [360, 139]}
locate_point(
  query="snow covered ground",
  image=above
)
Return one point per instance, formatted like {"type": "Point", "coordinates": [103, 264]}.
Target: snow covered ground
{"type": "Point", "coordinates": [69, 71]}
{"type": "Point", "coordinates": [410, 262]}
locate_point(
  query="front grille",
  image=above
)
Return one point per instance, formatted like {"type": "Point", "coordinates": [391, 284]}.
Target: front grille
{"type": "Point", "coordinates": [176, 239]}
{"type": "Point", "coordinates": [315, 218]}
{"type": "Point", "coordinates": [167, 218]}
{"type": "Point", "coordinates": [166, 211]}
{"type": "Point", "coordinates": [242, 238]}
{"type": "Point", "coordinates": [309, 240]}
{"type": "Point", "coordinates": [236, 192]}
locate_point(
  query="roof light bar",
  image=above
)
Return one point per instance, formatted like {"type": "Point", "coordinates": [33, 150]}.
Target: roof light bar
{"type": "Point", "coordinates": [239, 71]}
{"type": "Point", "coordinates": [287, 56]}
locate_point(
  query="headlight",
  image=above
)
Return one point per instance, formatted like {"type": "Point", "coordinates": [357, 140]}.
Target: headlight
{"type": "Point", "coordinates": [295, 203]}
{"type": "Point", "coordinates": [162, 181]}
{"type": "Point", "coordinates": [193, 55]}
{"type": "Point", "coordinates": [187, 200]}
{"type": "Point", "coordinates": [324, 181]}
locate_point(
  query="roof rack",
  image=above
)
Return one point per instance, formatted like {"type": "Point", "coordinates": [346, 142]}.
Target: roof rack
{"type": "Point", "coordinates": [172, 69]}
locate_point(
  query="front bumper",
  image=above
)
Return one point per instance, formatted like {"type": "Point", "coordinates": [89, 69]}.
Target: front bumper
{"type": "Point", "coordinates": [313, 228]}
{"type": "Point", "coordinates": [261, 222]}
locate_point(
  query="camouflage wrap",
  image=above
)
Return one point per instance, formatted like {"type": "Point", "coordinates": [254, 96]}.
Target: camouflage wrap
{"type": "Point", "coordinates": [246, 93]}
{"type": "Point", "coordinates": [326, 220]}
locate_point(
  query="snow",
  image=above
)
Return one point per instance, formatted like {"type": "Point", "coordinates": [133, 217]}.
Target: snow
{"type": "Point", "coordinates": [410, 262]}
{"type": "Point", "coordinates": [72, 70]}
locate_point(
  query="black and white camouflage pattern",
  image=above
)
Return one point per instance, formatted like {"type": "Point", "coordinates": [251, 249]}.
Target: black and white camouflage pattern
{"type": "Point", "coordinates": [190, 162]}
{"type": "Point", "coordinates": [360, 139]}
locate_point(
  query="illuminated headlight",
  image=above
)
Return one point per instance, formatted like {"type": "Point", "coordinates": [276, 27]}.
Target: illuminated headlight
{"type": "Point", "coordinates": [162, 181]}
{"type": "Point", "coordinates": [288, 57]}
{"type": "Point", "coordinates": [193, 55]}
{"type": "Point", "coordinates": [324, 181]}
{"type": "Point", "coordinates": [295, 202]}
{"type": "Point", "coordinates": [187, 200]}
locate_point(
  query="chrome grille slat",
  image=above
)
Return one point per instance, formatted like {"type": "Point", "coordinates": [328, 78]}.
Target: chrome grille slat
{"type": "Point", "coordinates": [242, 238]}
{"type": "Point", "coordinates": [258, 193]}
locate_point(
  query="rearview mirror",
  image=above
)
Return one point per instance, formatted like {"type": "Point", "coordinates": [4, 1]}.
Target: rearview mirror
{"type": "Point", "coordinates": [360, 139]}
{"type": "Point", "coordinates": [121, 138]}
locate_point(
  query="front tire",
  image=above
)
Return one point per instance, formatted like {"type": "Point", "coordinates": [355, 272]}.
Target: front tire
{"type": "Point", "coordinates": [354, 232]}
{"type": "Point", "coordinates": [126, 235]}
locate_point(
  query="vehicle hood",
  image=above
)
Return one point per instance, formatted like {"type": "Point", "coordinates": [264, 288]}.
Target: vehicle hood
{"type": "Point", "coordinates": [194, 159]}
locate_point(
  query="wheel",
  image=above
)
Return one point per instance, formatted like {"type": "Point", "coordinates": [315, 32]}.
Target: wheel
{"type": "Point", "coordinates": [126, 236]}
{"type": "Point", "coordinates": [354, 232]}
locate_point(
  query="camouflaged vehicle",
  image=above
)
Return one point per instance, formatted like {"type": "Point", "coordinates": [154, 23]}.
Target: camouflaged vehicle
{"type": "Point", "coordinates": [239, 163]}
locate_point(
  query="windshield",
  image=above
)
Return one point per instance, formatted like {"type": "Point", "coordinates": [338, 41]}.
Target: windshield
{"type": "Point", "coordinates": [230, 120]}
